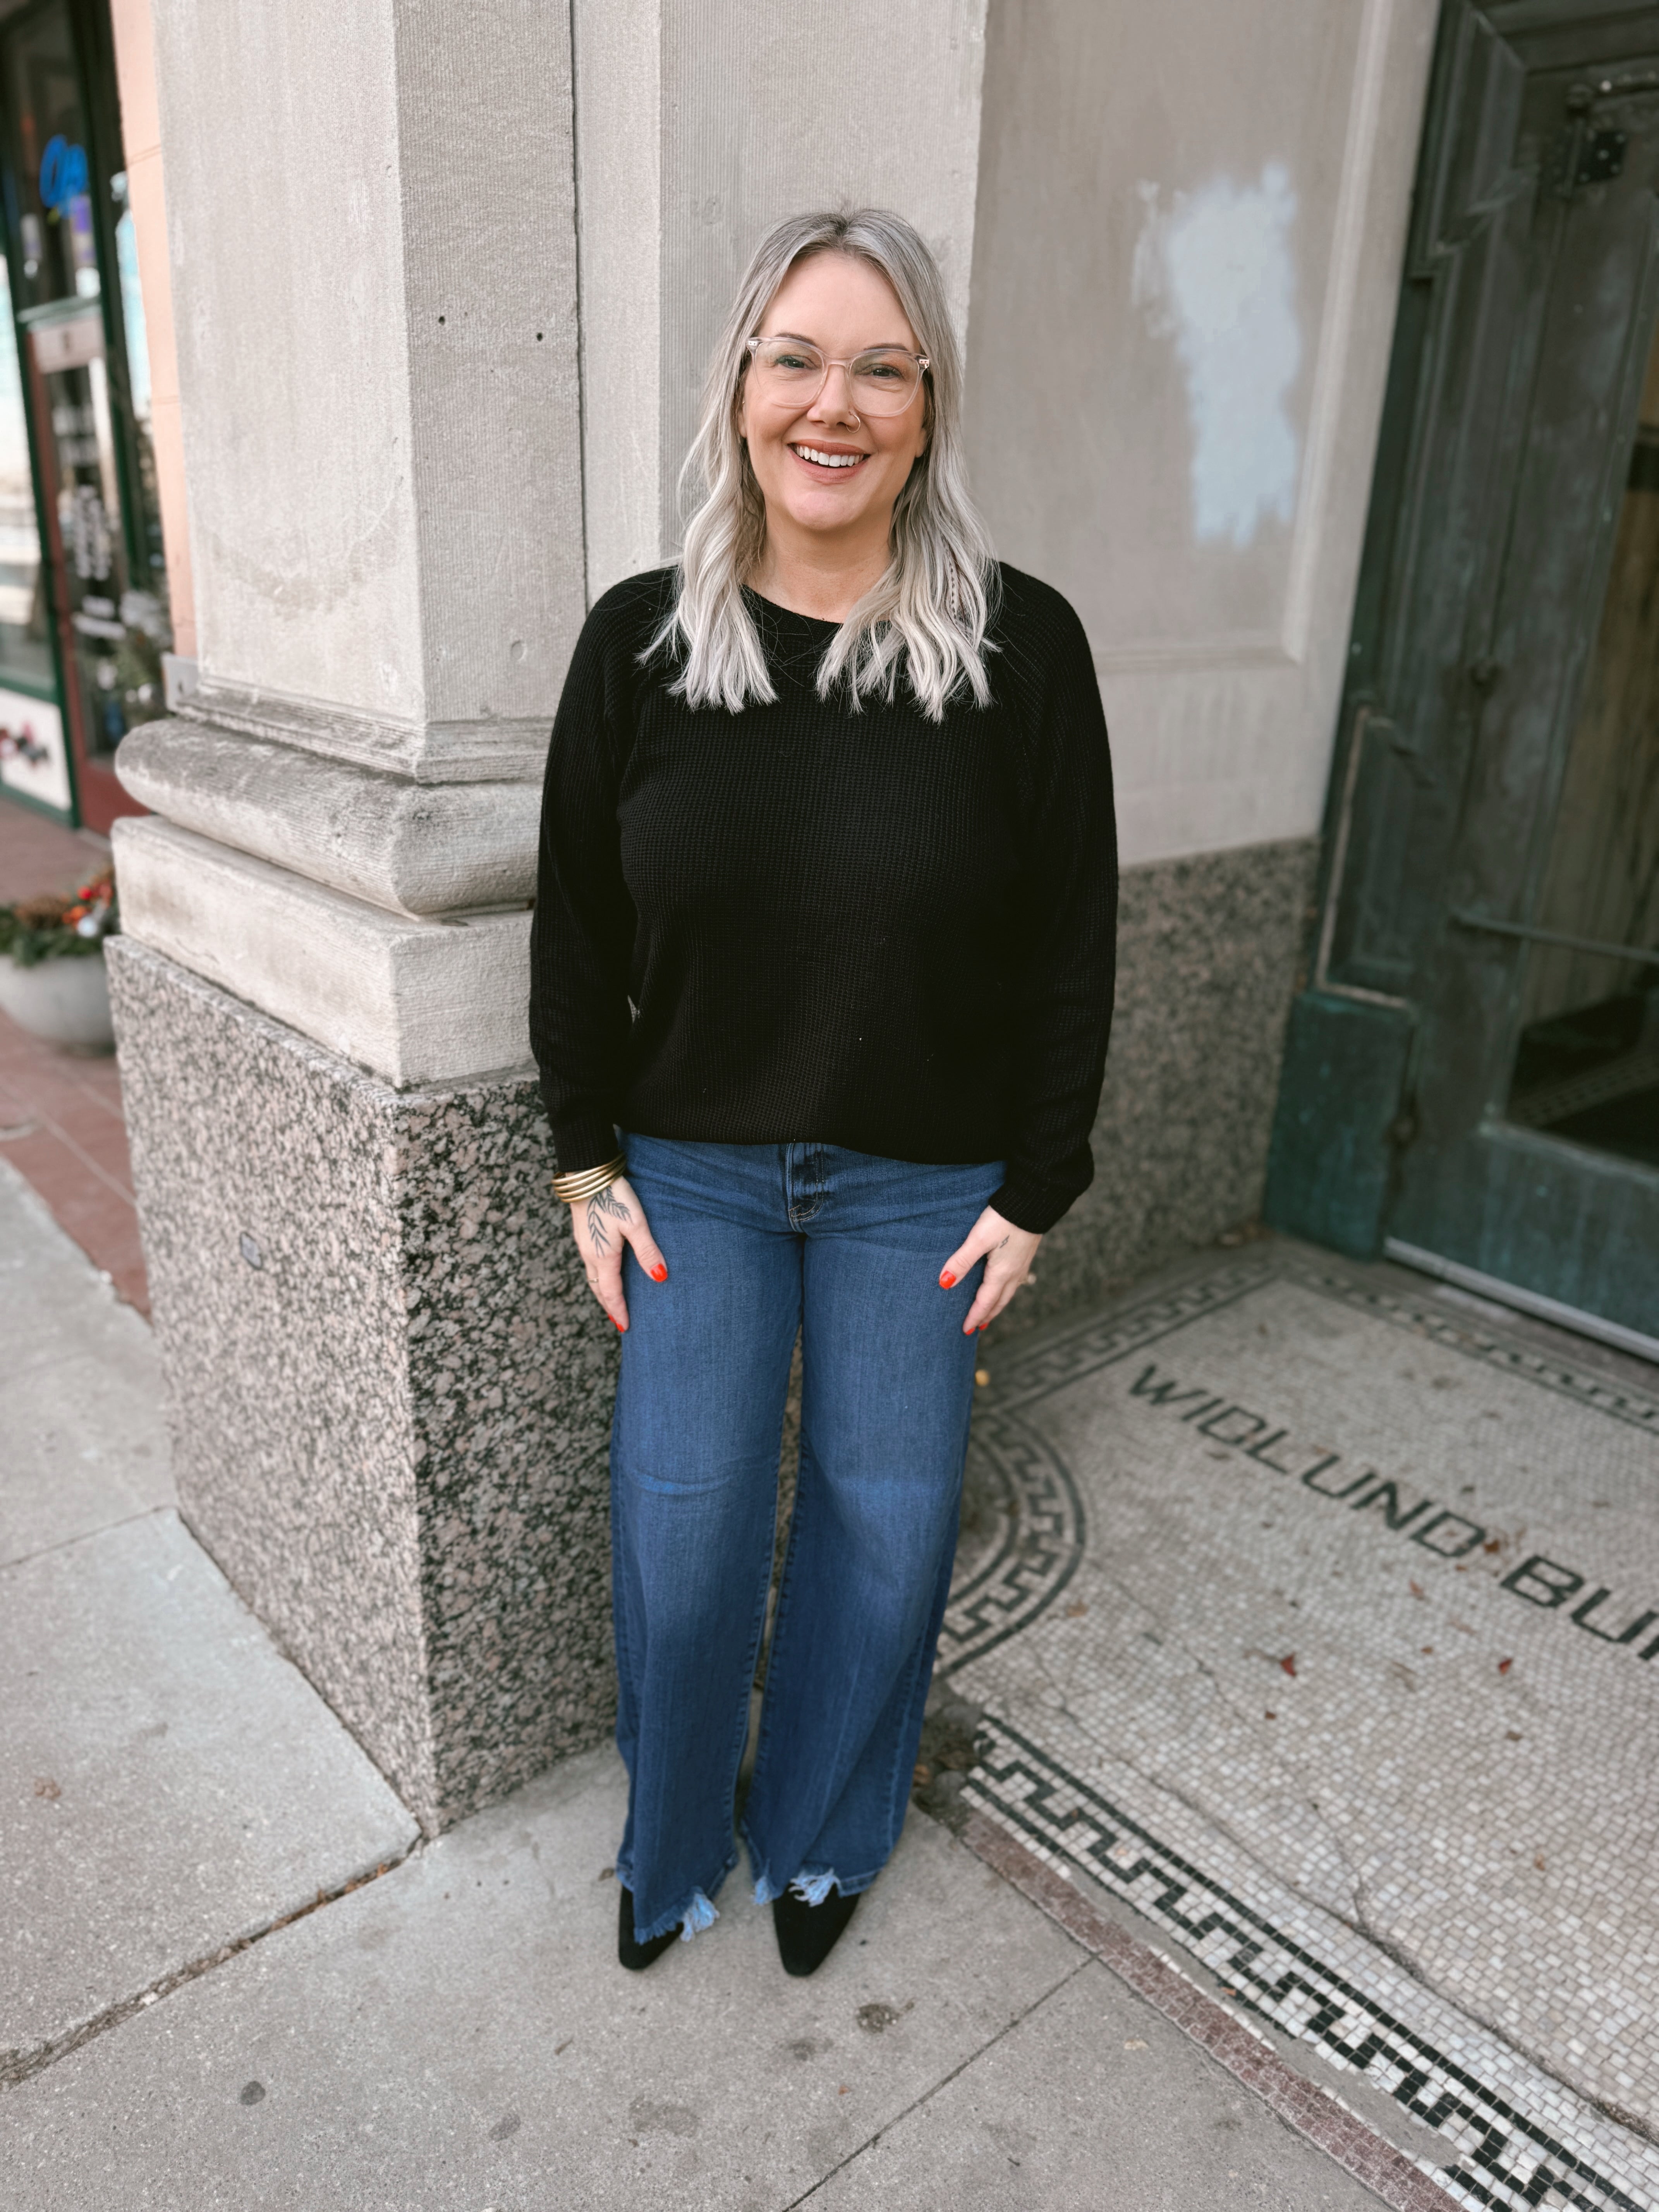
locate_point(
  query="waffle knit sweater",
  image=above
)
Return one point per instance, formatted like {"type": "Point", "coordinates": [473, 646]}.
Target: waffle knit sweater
{"type": "Point", "coordinates": [803, 924]}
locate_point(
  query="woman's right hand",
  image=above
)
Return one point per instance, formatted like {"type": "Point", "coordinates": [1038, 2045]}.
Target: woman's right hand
{"type": "Point", "coordinates": [602, 1225]}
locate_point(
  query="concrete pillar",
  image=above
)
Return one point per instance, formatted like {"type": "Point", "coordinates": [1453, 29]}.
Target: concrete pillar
{"type": "Point", "coordinates": [389, 1388]}
{"type": "Point", "coordinates": [389, 1406]}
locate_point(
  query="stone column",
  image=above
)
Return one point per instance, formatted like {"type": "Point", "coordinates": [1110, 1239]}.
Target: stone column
{"type": "Point", "coordinates": [390, 1389]}
{"type": "Point", "coordinates": [389, 1406]}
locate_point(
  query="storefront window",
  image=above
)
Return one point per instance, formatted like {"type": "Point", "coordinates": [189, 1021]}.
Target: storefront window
{"type": "Point", "coordinates": [86, 376]}
{"type": "Point", "coordinates": [25, 646]}
{"type": "Point", "coordinates": [59, 246]}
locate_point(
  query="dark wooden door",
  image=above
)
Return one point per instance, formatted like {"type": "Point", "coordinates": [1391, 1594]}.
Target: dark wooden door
{"type": "Point", "coordinates": [1464, 1081]}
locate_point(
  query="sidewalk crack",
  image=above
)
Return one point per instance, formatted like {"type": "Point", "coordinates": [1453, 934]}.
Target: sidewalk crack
{"type": "Point", "coordinates": [944, 2081]}
{"type": "Point", "coordinates": [63, 1543]}
{"type": "Point", "coordinates": [19, 2066]}
{"type": "Point", "coordinates": [1283, 1767]}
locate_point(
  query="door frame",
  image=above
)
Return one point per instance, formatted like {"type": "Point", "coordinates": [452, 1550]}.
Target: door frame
{"type": "Point", "coordinates": [1355, 1066]}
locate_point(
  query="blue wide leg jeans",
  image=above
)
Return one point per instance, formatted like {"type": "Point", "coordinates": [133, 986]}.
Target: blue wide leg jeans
{"type": "Point", "coordinates": [761, 1240]}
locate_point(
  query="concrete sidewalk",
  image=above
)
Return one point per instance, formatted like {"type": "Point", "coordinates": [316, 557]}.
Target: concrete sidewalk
{"type": "Point", "coordinates": [457, 2035]}
{"type": "Point", "coordinates": [169, 1785]}
{"type": "Point", "coordinates": [187, 2025]}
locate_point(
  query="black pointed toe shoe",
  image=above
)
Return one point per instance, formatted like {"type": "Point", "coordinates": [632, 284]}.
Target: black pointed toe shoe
{"type": "Point", "coordinates": [634, 1955]}
{"type": "Point", "coordinates": [807, 1934]}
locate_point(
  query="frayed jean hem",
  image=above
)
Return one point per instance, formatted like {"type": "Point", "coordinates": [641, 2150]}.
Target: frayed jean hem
{"type": "Point", "coordinates": [810, 1885]}
{"type": "Point", "coordinates": [690, 1919]}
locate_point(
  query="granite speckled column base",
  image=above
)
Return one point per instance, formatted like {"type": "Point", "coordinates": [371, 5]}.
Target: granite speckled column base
{"type": "Point", "coordinates": [1208, 953]}
{"type": "Point", "coordinates": [389, 1391]}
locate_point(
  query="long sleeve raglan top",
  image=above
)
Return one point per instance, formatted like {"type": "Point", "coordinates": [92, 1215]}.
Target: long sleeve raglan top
{"type": "Point", "coordinates": [807, 923]}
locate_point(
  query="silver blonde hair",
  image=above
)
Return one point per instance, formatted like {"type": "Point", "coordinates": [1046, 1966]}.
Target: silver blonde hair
{"type": "Point", "coordinates": [928, 614]}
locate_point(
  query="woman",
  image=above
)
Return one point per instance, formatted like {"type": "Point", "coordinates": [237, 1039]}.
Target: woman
{"type": "Point", "coordinates": [822, 977]}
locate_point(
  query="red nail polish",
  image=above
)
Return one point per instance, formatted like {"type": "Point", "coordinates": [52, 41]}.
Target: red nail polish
{"type": "Point", "coordinates": [947, 1282]}
{"type": "Point", "coordinates": [660, 1273]}
{"type": "Point", "coordinates": [613, 1317]}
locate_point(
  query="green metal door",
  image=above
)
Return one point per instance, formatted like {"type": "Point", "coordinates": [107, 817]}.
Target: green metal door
{"type": "Point", "coordinates": [1472, 1080]}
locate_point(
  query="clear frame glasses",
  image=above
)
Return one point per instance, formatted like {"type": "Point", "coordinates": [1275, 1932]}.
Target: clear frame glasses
{"type": "Point", "coordinates": [882, 380]}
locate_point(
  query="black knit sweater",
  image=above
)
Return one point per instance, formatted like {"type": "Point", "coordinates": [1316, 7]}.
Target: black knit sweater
{"type": "Point", "coordinates": [863, 929]}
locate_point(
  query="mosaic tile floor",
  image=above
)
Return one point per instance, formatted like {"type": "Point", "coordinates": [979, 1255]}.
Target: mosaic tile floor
{"type": "Point", "coordinates": [1319, 1622]}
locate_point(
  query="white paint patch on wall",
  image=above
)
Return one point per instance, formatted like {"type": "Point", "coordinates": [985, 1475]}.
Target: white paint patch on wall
{"type": "Point", "coordinates": [1214, 271]}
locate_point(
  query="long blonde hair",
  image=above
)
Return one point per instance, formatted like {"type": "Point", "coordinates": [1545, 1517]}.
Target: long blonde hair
{"type": "Point", "coordinates": [927, 613]}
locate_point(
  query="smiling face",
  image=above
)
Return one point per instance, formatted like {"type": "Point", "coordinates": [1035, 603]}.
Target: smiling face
{"type": "Point", "coordinates": [828, 474]}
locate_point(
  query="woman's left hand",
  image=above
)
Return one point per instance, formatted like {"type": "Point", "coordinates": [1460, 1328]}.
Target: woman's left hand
{"type": "Point", "coordinates": [1007, 1253]}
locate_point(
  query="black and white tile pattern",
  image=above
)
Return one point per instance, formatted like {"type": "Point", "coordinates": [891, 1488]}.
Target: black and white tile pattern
{"type": "Point", "coordinates": [1305, 1632]}
{"type": "Point", "coordinates": [1035, 1551]}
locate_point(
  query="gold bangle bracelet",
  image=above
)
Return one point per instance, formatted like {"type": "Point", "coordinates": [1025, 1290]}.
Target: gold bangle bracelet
{"type": "Point", "coordinates": [589, 1182]}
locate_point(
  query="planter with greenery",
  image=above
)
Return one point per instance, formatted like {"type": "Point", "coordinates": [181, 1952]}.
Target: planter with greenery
{"type": "Point", "coordinates": [51, 965]}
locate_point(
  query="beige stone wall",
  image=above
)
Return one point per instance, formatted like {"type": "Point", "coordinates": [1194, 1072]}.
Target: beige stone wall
{"type": "Point", "coordinates": [699, 122]}
{"type": "Point", "coordinates": [1188, 238]}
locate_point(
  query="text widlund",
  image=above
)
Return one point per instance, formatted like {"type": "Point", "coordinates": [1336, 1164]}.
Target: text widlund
{"type": "Point", "coordinates": [1540, 1580]}
{"type": "Point", "coordinates": [1314, 1616]}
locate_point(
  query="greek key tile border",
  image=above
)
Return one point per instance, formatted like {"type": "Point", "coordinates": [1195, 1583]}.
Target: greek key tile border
{"type": "Point", "coordinates": [1501, 2157]}
{"type": "Point", "coordinates": [1476, 1341]}
{"type": "Point", "coordinates": [1104, 1339]}
{"type": "Point", "coordinates": [1040, 1545]}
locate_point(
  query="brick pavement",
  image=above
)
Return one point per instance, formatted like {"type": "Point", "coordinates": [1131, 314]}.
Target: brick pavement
{"type": "Point", "coordinates": [61, 1124]}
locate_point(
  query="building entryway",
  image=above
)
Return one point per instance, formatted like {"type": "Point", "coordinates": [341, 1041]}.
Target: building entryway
{"type": "Point", "coordinates": [1472, 1080]}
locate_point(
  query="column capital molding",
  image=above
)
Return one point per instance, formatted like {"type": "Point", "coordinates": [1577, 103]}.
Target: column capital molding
{"type": "Point", "coordinates": [414, 998]}
{"type": "Point", "coordinates": [491, 749]}
{"type": "Point", "coordinates": [417, 850]}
